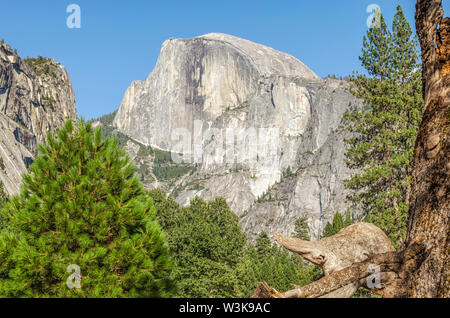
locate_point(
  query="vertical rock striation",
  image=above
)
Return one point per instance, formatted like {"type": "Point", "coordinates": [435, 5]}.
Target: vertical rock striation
{"type": "Point", "coordinates": [36, 97]}
{"type": "Point", "coordinates": [225, 82]}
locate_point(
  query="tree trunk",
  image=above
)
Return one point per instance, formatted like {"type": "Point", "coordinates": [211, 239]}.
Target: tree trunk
{"type": "Point", "coordinates": [422, 268]}
{"type": "Point", "coordinates": [429, 201]}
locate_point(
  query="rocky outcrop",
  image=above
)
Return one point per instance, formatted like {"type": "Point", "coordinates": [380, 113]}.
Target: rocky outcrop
{"type": "Point", "coordinates": [36, 97]}
{"type": "Point", "coordinates": [15, 157]}
{"type": "Point", "coordinates": [199, 79]}
{"type": "Point", "coordinates": [216, 88]}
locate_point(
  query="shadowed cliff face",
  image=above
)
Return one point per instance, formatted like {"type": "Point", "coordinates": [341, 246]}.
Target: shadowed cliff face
{"type": "Point", "coordinates": [36, 97]}
{"type": "Point", "coordinates": [215, 83]}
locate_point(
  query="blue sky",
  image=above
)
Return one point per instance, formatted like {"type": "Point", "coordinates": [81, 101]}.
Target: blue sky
{"type": "Point", "coordinates": [119, 41]}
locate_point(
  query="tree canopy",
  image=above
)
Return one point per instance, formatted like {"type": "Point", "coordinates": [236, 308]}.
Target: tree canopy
{"type": "Point", "coordinates": [81, 207]}
{"type": "Point", "coordinates": [384, 131]}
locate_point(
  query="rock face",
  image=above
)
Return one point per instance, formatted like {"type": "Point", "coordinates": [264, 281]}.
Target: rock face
{"type": "Point", "coordinates": [36, 97]}
{"type": "Point", "coordinates": [261, 128]}
{"type": "Point", "coordinates": [201, 78]}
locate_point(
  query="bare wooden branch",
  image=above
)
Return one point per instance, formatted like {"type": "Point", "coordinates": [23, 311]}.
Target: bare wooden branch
{"type": "Point", "coordinates": [390, 264]}
{"type": "Point", "coordinates": [352, 244]}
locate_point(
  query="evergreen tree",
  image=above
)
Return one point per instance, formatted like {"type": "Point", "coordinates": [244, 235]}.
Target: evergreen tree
{"type": "Point", "coordinates": [279, 268]}
{"type": "Point", "coordinates": [207, 244]}
{"type": "Point", "coordinates": [405, 58]}
{"type": "Point", "coordinates": [301, 229]}
{"type": "Point", "coordinates": [337, 224]}
{"type": "Point", "coordinates": [384, 131]}
{"type": "Point", "coordinates": [3, 200]}
{"type": "Point", "coordinates": [376, 51]}
{"type": "Point", "coordinates": [81, 205]}
{"type": "Point", "coordinates": [212, 258]}
{"type": "Point", "coordinates": [348, 218]}
{"type": "Point", "coordinates": [263, 246]}
{"type": "Point", "coordinates": [248, 271]}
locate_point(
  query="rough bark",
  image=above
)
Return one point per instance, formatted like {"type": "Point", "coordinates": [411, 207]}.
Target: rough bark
{"type": "Point", "coordinates": [351, 245]}
{"type": "Point", "coordinates": [395, 269]}
{"type": "Point", "coordinates": [422, 268]}
{"type": "Point", "coordinates": [430, 204]}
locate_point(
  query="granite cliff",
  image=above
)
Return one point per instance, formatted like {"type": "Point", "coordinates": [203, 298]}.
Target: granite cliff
{"type": "Point", "coordinates": [206, 87]}
{"type": "Point", "coordinates": [36, 97]}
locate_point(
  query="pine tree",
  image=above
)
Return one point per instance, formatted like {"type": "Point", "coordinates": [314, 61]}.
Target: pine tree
{"type": "Point", "coordinates": [263, 245]}
{"type": "Point", "coordinates": [279, 268]}
{"type": "Point", "coordinates": [3, 195]}
{"type": "Point", "coordinates": [405, 58]}
{"type": "Point", "coordinates": [348, 218]}
{"type": "Point", "coordinates": [337, 224]}
{"type": "Point", "coordinates": [301, 229]}
{"type": "Point", "coordinates": [3, 200]}
{"type": "Point", "coordinates": [212, 257]}
{"type": "Point", "coordinates": [81, 205]}
{"type": "Point", "coordinates": [376, 52]}
{"type": "Point", "coordinates": [385, 130]}
{"type": "Point", "coordinates": [207, 243]}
